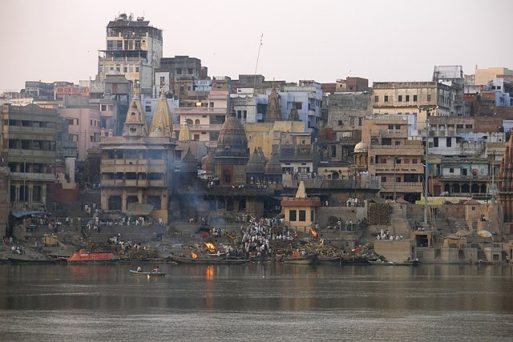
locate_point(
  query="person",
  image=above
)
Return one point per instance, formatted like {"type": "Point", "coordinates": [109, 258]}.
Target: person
{"type": "Point", "coordinates": [139, 269]}
{"type": "Point", "coordinates": [156, 269]}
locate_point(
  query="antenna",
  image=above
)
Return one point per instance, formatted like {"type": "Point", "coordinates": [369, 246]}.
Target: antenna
{"type": "Point", "coordinates": [256, 65]}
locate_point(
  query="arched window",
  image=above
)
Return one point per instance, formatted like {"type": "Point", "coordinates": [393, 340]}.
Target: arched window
{"type": "Point", "coordinates": [475, 188]}
{"type": "Point", "coordinates": [447, 188]}
{"type": "Point", "coordinates": [197, 122]}
{"type": "Point", "coordinates": [483, 188]}
{"type": "Point", "coordinates": [188, 121]}
{"type": "Point", "coordinates": [456, 188]}
{"type": "Point", "coordinates": [465, 188]}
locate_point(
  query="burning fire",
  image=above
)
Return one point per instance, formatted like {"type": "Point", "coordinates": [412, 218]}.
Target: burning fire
{"type": "Point", "coordinates": [194, 255]}
{"type": "Point", "coordinates": [211, 247]}
{"type": "Point", "coordinates": [314, 233]}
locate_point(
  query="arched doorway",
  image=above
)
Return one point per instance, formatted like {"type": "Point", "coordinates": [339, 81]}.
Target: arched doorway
{"type": "Point", "coordinates": [465, 188]}
{"type": "Point", "coordinates": [475, 188]}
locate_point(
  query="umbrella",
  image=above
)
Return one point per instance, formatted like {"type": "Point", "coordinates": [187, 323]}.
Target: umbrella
{"type": "Point", "coordinates": [484, 234]}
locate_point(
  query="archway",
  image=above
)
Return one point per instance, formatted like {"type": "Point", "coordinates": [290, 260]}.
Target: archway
{"type": "Point", "coordinates": [465, 188]}
{"type": "Point", "coordinates": [483, 188]}
{"type": "Point", "coordinates": [456, 188]}
{"type": "Point", "coordinates": [475, 188]}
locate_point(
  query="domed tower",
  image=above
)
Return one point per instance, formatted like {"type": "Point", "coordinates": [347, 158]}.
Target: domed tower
{"type": "Point", "coordinates": [255, 170]}
{"type": "Point", "coordinates": [360, 156]}
{"type": "Point", "coordinates": [273, 171]}
{"type": "Point", "coordinates": [231, 154]}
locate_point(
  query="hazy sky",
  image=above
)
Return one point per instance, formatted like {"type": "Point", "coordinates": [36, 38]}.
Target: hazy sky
{"type": "Point", "coordinates": [53, 40]}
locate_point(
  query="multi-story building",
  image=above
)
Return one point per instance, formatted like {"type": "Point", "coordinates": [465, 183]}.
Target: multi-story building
{"type": "Point", "coordinates": [306, 98]}
{"type": "Point", "coordinates": [393, 157]}
{"type": "Point", "coordinates": [136, 168]}
{"type": "Point", "coordinates": [206, 118]}
{"type": "Point", "coordinates": [346, 112]}
{"type": "Point", "coordinates": [405, 98]}
{"type": "Point", "coordinates": [84, 123]}
{"type": "Point", "coordinates": [352, 84]}
{"type": "Point", "coordinates": [452, 75]}
{"type": "Point", "coordinates": [176, 75]}
{"type": "Point", "coordinates": [483, 76]}
{"type": "Point", "coordinates": [134, 49]}
{"type": "Point", "coordinates": [32, 148]}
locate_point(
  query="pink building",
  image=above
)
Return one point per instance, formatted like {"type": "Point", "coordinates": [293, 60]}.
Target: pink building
{"type": "Point", "coordinates": [84, 127]}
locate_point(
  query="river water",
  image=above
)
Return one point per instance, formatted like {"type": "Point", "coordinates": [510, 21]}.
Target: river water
{"type": "Point", "coordinates": [256, 302]}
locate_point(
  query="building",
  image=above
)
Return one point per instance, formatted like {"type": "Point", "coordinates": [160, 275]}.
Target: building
{"type": "Point", "coordinates": [411, 98]}
{"type": "Point", "coordinates": [483, 76]}
{"type": "Point", "coordinates": [266, 135]}
{"type": "Point", "coordinates": [346, 112]}
{"type": "Point", "coordinates": [393, 157]}
{"type": "Point", "coordinates": [176, 75]}
{"type": "Point", "coordinates": [133, 49]}
{"type": "Point", "coordinates": [5, 186]}
{"type": "Point", "coordinates": [206, 118]}
{"type": "Point", "coordinates": [306, 98]}
{"type": "Point", "coordinates": [84, 123]}
{"type": "Point", "coordinates": [300, 211]}
{"type": "Point", "coordinates": [136, 168]}
{"type": "Point", "coordinates": [452, 75]}
{"type": "Point", "coordinates": [32, 147]}
{"type": "Point", "coordinates": [352, 84]}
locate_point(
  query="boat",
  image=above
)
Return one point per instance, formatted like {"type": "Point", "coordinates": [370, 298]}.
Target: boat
{"type": "Point", "coordinates": [308, 259]}
{"type": "Point", "coordinates": [394, 263]}
{"type": "Point", "coordinates": [148, 274]}
{"type": "Point", "coordinates": [207, 260]}
{"type": "Point", "coordinates": [331, 260]}
{"type": "Point", "coordinates": [83, 256]}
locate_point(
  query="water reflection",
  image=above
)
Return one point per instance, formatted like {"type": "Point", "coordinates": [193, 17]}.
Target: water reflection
{"type": "Point", "coordinates": [279, 295]}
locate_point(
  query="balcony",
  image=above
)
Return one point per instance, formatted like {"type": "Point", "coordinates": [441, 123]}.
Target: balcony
{"type": "Point", "coordinates": [32, 177]}
{"type": "Point", "coordinates": [402, 187]}
{"type": "Point", "coordinates": [384, 168]}
{"type": "Point", "coordinates": [134, 183]}
{"type": "Point", "coordinates": [33, 131]}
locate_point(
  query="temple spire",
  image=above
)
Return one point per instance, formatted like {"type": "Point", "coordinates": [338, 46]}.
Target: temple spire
{"type": "Point", "coordinates": [185, 133]}
{"type": "Point", "coordinates": [135, 123]}
{"type": "Point", "coordinates": [161, 125]}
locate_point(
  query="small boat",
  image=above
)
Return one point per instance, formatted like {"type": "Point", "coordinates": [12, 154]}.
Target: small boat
{"type": "Point", "coordinates": [394, 263]}
{"type": "Point", "coordinates": [300, 260]}
{"type": "Point", "coordinates": [83, 256]}
{"type": "Point", "coordinates": [148, 274]}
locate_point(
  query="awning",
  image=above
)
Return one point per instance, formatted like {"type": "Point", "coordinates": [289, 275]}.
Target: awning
{"type": "Point", "coordinates": [25, 213]}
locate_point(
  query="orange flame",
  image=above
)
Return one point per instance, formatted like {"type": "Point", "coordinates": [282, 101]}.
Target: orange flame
{"type": "Point", "coordinates": [314, 234]}
{"type": "Point", "coordinates": [211, 247]}
{"type": "Point", "coordinates": [194, 255]}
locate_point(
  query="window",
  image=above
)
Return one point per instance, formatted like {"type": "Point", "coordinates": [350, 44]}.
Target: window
{"type": "Point", "coordinates": [414, 161]}
{"type": "Point", "coordinates": [435, 141]}
{"type": "Point", "coordinates": [429, 97]}
{"type": "Point", "coordinates": [360, 120]}
{"type": "Point", "coordinates": [451, 170]}
{"type": "Point", "coordinates": [414, 98]}
{"type": "Point", "coordinates": [340, 122]}
{"type": "Point", "coordinates": [407, 98]}
{"type": "Point", "coordinates": [449, 142]}
{"type": "Point", "coordinates": [398, 179]}
{"type": "Point", "coordinates": [386, 141]}
{"type": "Point", "coordinates": [383, 179]}
{"type": "Point", "coordinates": [162, 80]}
{"type": "Point", "coordinates": [386, 98]}
{"type": "Point", "coordinates": [302, 215]}
{"type": "Point", "coordinates": [147, 108]}
{"type": "Point", "coordinates": [244, 114]}
{"type": "Point", "coordinates": [196, 137]}
{"type": "Point", "coordinates": [468, 126]}
{"type": "Point", "coordinates": [397, 142]}
{"type": "Point", "coordinates": [189, 71]}
{"type": "Point", "coordinates": [136, 69]}
{"type": "Point", "coordinates": [400, 98]}
{"type": "Point", "coordinates": [103, 107]}
{"type": "Point", "coordinates": [292, 215]}
{"type": "Point", "coordinates": [178, 71]}
{"type": "Point", "coordinates": [376, 98]}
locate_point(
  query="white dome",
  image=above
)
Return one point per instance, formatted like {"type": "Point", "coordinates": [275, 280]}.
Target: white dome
{"type": "Point", "coordinates": [361, 147]}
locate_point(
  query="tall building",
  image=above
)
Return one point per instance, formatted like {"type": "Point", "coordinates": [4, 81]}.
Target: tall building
{"type": "Point", "coordinates": [393, 157]}
{"type": "Point", "coordinates": [134, 49]}
{"type": "Point", "coordinates": [136, 167]}
{"type": "Point", "coordinates": [32, 147]}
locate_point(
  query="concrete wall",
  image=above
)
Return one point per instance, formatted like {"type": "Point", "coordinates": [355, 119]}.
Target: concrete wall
{"type": "Point", "coordinates": [395, 250]}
